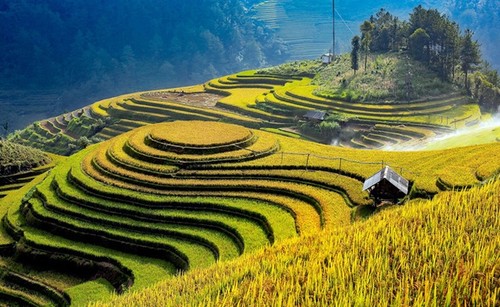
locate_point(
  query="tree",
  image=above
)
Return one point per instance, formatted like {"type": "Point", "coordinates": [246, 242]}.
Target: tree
{"type": "Point", "coordinates": [356, 44]}
{"type": "Point", "coordinates": [366, 38]}
{"type": "Point", "coordinates": [434, 39]}
{"type": "Point", "coordinates": [418, 44]}
{"type": "Point", "coordinates": [470, 56]}
{"type": "Point", "coordinates": [386, 34]}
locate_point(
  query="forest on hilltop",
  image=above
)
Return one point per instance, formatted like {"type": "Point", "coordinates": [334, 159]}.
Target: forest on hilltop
{"type": "Point", "coordinates": [435, 41]}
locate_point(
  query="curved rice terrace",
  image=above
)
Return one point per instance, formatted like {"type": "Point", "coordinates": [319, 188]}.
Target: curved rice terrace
{"type": "Point", "coordinates": [171, 197]}
{"type": "Point", "coordinates": [274, 98]}
{"type": "Point", "coordinates": [448, 246]}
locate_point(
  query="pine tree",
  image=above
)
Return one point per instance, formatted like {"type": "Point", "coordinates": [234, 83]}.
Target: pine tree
{"type": "Point", "coordinates": [356, 44]}
{"type": "Point", "coordinates": [470, 56]}
{"type": "Point", "coordinates": [366, 38]}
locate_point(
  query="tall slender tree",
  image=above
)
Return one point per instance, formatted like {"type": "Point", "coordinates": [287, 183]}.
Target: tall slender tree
{"type": "Point", "coordinates": [470, 55]}
{"type": "Point", "coordinates": [366, 38]}
{"type": "Point", "coordinates": [356, 44]}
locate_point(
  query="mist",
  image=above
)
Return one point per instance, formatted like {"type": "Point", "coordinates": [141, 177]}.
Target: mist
{"type": "Point", "coordinates": [461, 137]}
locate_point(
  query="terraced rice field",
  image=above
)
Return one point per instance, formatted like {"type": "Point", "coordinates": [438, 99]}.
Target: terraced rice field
{"type": "Point", "coordinates": [14, 182]}
{"type": "Point", "coordinates": [176, 196]}
{"type": "Point", "coordinates": [277, 100]}
{"type": "Point", "coordinates": [447, 246]}
{"type": "Point", "coordinates": [255, 100]}
{"type": "Point", "coordinates": [135, 184]}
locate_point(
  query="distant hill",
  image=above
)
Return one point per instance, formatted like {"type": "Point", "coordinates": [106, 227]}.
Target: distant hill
{"type": "Point", "coordinates": [59, 55]}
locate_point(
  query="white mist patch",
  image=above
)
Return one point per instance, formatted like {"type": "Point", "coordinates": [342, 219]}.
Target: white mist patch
{"type": "Point", "coordinates": [485, 132]}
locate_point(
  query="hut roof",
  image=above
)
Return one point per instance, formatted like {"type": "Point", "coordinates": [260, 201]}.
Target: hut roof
{"type": "Point", "coordinates": [390, 175]}
{"type": "Point", "coordinates": [316, 114]}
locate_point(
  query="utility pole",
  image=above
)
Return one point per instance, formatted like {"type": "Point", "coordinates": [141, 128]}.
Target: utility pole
{"type": "Point", "coordinates": [333, 28]}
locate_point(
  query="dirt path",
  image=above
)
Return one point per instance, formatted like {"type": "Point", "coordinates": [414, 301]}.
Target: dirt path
{"type": "Point", "coordinates": [207, 100]}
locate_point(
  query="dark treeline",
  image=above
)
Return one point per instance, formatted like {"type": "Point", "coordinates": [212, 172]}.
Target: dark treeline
{"type": "Point", "coordinates": [436, 41]}
{"type": "Point", "coordinates": [120, 46]}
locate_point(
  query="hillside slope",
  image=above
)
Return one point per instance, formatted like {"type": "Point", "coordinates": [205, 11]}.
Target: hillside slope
{"type": "Point", "coordinates": [20, 164]}
{"type": "Point", "coordinates": [62, 55]}
{"type": "Point", "coordinates": [15, 158]}
{"type": "Point", "coordinates": [184, 195]}
{"type": "Point", "coordinates": [279, 97]}
{"type": "Point", "coordinates": [439, 252]}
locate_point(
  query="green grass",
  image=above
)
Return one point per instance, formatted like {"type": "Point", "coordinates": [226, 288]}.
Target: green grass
{"type": "Point", "coordinates": [146, 270]}
{"type": "Point", "coordinates": [295, 68]}
{"type": "Point", "coordinates": [384, 79]}
{"type": "Point", "coordinates": [98, 288]}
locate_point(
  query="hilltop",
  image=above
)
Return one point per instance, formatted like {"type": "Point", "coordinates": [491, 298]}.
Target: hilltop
{"type": "Point", "coordinates": [384, 81]}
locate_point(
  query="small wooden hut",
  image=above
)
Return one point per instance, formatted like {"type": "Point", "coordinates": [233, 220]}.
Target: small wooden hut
{"type": "Point", "coordinates": [315, 116]}
{"type": "Point", "coordinates": [386, 185]}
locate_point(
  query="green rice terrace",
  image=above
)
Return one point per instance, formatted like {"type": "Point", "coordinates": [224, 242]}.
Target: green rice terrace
{"type": "Point", "coordinates": [163, 182]}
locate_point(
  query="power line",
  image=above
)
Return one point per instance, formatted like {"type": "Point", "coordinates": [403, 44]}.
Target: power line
{"type": "Point", "coordinates": [333, 27]}
{"type": "Point", "coordinates": [345, 23]}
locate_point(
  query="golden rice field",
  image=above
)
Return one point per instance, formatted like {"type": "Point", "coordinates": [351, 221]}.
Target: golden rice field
{"type": "Point", "coordinates": [185, 196]}
{"type": "Point", "coordinates": [442, 252]}
{"type": "Point", "coordinates": [191, 185]}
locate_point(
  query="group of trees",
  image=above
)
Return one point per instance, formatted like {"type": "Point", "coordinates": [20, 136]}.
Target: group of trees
{"type": "Point", "coordinates": [327, 129]}
{"type": "Point", "coordinates": [428, 36]}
